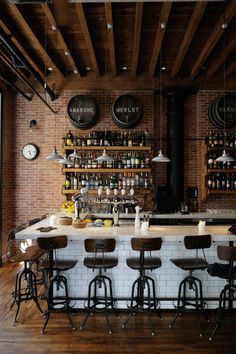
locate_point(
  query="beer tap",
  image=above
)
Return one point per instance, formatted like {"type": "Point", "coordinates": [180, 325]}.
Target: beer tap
{"type": "Point", "coordinates": [116, 211]}
{"type": "Point", "coordinates": [78, 198]}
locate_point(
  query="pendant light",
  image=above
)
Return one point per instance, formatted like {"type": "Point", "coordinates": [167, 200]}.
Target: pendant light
{"type": "Point", "coordinates": [65, 161]}
{"type": "Point", "coordinates": [160, 157]}
{"type": "Point", "coordinates": [54, 156]}
{"type": "Point", "coordinates": [75, 155]}
{"type": "Point", "coordinates": [105, 157]}
{"type": "Point", "coordinates": [225, 157]}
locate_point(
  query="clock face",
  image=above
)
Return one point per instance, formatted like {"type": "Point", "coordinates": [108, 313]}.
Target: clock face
{"type": "Point", "coordinates": [30, 151]}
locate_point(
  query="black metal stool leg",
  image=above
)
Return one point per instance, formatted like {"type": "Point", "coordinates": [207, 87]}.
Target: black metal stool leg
{"type": "Point", "coordinates": [27, 292]}
{"type": "Point", "coordinates": [220, 311]}
{"type": "Point", "coordinates": [178, 307]}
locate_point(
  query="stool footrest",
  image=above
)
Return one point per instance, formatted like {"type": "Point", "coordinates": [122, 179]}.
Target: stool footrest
{"type": "Point", "coordinates": [96, 302]}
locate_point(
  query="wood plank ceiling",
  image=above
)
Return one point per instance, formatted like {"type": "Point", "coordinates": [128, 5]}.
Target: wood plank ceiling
{"type": "Point", "coordinates": [43, 44]}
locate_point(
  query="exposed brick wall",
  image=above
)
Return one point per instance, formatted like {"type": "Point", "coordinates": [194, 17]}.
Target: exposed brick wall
{"type": "Point", "coordinates": [8, 207]}
{"type": "Point", "coordinates": [34, 188]}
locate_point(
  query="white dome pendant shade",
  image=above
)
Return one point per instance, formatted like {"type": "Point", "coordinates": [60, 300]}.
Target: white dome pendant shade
{"type": "Point", "coordinates": [54, 155]}
{"type": "Point", "coordinates": [104, 157]}
{"type": "Point", "coordinates": [65, 161]}
{"type": "Point", "coordinates": [75, 155]}
{"type": "Point", "coordinates": [160, 157]}
{"type": "Point", "coordinates": [225, 157]}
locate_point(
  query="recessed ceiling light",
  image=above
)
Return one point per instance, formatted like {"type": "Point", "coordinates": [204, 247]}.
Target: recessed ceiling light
{"type": "Point", "coordinates": [67, 53]}
{"type": "Point", "coordinates": [163, 25]}
{"type": "Point", "coordinates": [75, 71]}
{"type": "Point", "coordinates": [124, 67]}
{"type": "Point", "coordinates": [109, 26]}
{"type": "Point", "coordinates": [224, 25]}
{"type": "Point", "coordinates": [88, 68]}
{"type": "Point", "coordinates": [50, 69]}
{"type": "Point", "coordinates": [54, 27]}
{"type": "Point", "coordinates": [163, 68]}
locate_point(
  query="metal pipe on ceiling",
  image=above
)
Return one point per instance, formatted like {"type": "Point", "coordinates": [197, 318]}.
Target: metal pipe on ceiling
{"type": "Point", "coordinates": [13, 50]}
{"type": "Point", "coordinates": [10, 83]}
{"type": "Point", "coordinates": [21, 77]}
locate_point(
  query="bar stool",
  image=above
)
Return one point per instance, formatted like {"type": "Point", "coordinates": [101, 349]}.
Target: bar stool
{"type": "Point", "coordinates": [100, 295]}
{"type": "Point", "coordinates": [143, 295]}
{"type": "Point", "coordinates": [228, 293]}
{"type": "Point", "coordinates": [56, 281]}
{"type": "Point", "coordinates": [196, 303]}
{"type": "Point", "coordinates": [26, 279]}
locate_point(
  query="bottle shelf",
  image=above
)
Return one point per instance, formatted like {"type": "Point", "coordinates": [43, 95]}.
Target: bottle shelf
{"type": "Point", "coordinates": [217, 191]}
{"type": "Point", "coordinates": [110, 148]}
{"type": "Point", "coordinates": [107, 170]}
{"type": "Point", "coordinates": [95, 191]}
{"type": "Point", "coordinates": [221, 170]}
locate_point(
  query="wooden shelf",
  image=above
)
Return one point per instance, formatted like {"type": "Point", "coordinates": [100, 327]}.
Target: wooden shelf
{"type": "Point", "coordinates": [110, 148]}
{"type": "Point", "coordinates": [107, 170]}
{"type": "Point", "coordinates": [218, 192]}
{"type": "Point", "coordinates": [221, 170]}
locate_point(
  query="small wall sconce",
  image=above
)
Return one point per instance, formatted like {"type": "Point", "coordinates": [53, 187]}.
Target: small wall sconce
{"type": "Point", "coordinates": [33, 124]}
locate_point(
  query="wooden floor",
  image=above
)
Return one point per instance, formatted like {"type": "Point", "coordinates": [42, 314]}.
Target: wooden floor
{"type": "Point", "coordinates": [25, 337]}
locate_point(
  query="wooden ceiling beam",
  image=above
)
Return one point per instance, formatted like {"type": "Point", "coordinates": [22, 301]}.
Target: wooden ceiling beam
{"type": "Point", "coordinates": [137, 36]}
{"type": "Point", "coordinates": [110, 34]}
{"type": "Point", "coordinates": [226, 17]}
{"type": "Point", "coordinates": [87, 38]}
{"type": "Point", "coordinates": [188, 37]}
{"type": "Point", "coordinates": [38, 46]}
{"type": "Point", "coordinates": [165, 13]}
{"type": "Point", "coordinates": [60, 38]}
{"type": "Point", "coordinates": [16, 40]}
{"type": "Point", "coordinates": [230, 69]}
{"type": "Point", "coordinates": [221, 58]}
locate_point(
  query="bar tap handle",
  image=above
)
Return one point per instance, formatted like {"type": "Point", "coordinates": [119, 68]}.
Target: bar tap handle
{"type": "Point", "coordinates": [116, 214]}
{"type": "Point", "coordinates": [77, 198]}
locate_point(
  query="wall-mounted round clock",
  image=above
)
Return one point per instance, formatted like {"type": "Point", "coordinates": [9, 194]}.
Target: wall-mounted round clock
{"type": "Point", "coordinates": [83, 111]}
{"type": "Point", "coordinates": [30, 151]}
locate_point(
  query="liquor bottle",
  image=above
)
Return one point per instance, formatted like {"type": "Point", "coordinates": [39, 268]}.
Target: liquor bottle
{"type": "Point", "coordinates": [209, 181]}
{"type": "Point", "coordinates": [210, 139]}
{"type": "Point", "coordinates": [215, 139]}
{"type": "Point", "coordinates": [75, 181]}
{"type": "Point", "coordinates": [125, 139]}
{"type": "Point", "coordinates": [228, 183]}
{"type": "Point", "coordinates": [69, 138]}
{"type": "Point", "coordinates": [130, 140]}
{"type": "Point", "coordinates": [67, 182]}
{"type": "Point", "coordinates": [89, 140]}
{"type": "Point", "coordinates": [95, 138]}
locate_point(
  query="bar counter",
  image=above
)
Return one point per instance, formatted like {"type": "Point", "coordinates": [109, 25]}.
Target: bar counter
{"type": "Point", "coordinates": [167, 277]}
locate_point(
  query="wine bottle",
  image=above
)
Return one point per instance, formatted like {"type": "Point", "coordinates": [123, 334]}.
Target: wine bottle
{"type": "Point", "coordinates": [69, 138]}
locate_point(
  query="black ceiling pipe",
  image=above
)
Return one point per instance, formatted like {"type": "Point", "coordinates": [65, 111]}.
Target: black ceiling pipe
{"type": "Point", "coordinates": [175, 146]}
{"type": "Point", "coordinates": [10, 83]}
{"type": "Point", "coordinates": [13, 50]}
